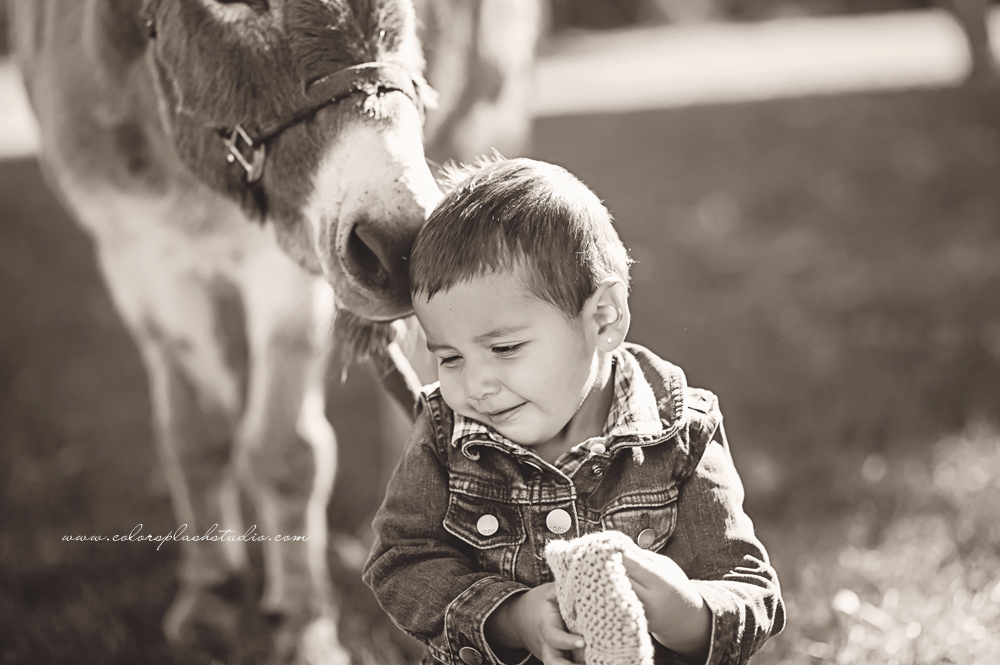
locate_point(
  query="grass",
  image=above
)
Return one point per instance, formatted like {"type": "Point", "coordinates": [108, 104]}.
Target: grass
{"type": "Point", "coordinates": [910, 574]}
{"type": "Point", "coordinates": [828, 266]}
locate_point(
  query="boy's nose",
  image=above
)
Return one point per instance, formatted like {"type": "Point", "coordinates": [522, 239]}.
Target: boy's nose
{"type": "Point", "coordinates": [480, 385]}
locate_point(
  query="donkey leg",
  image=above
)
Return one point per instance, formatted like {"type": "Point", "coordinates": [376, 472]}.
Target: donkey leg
{"type": "Point", "coordinates": [480, 59]}
{"type": "Point", "coordinates": [195, 394]}
{"type": "Point", "coordinates": [973, 17]}
{"type": "Point", "coordinates": [286, 450]}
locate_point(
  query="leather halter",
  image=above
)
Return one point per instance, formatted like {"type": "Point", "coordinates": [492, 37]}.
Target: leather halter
{"type": "Point", "coordinates": [369, 78]}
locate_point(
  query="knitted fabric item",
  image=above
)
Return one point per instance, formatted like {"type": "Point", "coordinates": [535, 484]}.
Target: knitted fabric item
{"type": "Point", "coordinates": [596, 599]}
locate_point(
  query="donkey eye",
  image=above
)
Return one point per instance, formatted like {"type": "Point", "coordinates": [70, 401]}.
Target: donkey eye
{"type": "Point", "coordinates": [230, 11]}
{"type": "Point", "coordinates": [259, 5]}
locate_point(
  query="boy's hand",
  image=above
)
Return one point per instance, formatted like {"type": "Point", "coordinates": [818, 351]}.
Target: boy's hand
{"type": "Point", "coordinates": [531, 621]}
{"type": "Point", "coordinates": [676, 614]}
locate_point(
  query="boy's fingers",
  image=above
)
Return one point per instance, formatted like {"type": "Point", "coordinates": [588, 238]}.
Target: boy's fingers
{"type": "Point", "coordinates": [639, 568]}
{"type": "Point", "coordinates": [552, 656]}
{"type": "Point", "coordinates": [560, 639]}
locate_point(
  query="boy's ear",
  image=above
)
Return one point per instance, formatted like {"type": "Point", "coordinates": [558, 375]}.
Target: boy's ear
{"type": "Point", "coordinates": [609, 305]}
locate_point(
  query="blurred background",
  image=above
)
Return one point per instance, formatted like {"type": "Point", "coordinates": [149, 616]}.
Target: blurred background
{"type": "Point", "coordinates": [811, 190]}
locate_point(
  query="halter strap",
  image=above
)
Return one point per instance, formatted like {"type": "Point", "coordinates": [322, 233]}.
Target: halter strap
{"type": "Point", "coordinates": [369, 78]}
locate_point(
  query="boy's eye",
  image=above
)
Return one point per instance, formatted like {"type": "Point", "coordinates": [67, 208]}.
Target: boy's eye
{"type": "Point", "coordinates": [449, 361]}
{"type": "Point", "coordinates": [507, 350]}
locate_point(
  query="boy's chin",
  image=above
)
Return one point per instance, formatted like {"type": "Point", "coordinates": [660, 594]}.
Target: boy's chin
{"type": "Point", "coordinates": [531, 439]}
{"type": "Point", "coordinates": [517, 435]}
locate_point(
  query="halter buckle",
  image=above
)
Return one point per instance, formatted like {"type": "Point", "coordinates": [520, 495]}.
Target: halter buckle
{"type": "Point", "coordinates": [237, 143]}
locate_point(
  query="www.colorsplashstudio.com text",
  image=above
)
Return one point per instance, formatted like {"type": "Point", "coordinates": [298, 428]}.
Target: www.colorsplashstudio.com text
{"type": "Point", "coordinates": [178, 535]}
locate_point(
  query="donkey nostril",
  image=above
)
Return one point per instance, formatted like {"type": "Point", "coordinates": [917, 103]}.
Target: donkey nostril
{"type": "Point", "coordinates": [375, 258]}
{"type": "Point", "coordinates": [363, 260]}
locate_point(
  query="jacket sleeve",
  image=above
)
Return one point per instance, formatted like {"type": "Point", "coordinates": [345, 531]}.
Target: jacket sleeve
{"type": "Point", "coordinates": [715, 544]}
{"type": "Point", "coordinates": [424, 577]}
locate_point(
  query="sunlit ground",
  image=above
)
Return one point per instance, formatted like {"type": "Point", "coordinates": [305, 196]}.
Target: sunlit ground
{"type": "Point", "coordinates": [828, 265]}
{"type": "Point", "coordinates": [670, 66]}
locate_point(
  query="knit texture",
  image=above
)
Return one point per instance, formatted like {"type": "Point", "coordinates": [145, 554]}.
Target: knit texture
{"type": "Point", "coordinates": [596, 599]}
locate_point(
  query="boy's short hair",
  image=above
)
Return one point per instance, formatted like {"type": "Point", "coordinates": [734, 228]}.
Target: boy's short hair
{"type": "Point", "coordinates": [499, 215]}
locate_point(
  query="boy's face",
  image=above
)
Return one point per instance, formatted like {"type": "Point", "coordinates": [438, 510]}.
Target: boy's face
{"type": "Point", "coordinates": [507, 358]}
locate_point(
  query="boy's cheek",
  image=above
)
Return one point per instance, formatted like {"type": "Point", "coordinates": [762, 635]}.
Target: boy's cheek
{"type": "Point", "coordinates": [451, 394]}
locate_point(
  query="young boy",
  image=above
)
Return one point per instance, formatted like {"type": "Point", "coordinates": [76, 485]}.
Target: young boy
{"type": "Point", "coordinates": [546, 424]}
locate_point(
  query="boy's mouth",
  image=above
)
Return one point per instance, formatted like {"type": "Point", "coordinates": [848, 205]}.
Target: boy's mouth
{"type": "Point", "coordinates": [504, 415]}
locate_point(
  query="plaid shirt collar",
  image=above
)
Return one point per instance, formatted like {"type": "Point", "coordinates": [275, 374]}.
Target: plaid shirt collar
{"type": "Point", "coordinates": [633, 411]}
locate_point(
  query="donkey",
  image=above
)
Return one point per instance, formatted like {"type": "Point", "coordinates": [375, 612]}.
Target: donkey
{"type": "Point", "coordinates": [239, 156]}
{"type": "Point", "coordinates": [973, 17]}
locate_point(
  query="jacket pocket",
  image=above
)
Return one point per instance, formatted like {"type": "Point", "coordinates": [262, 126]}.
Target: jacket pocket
{"type": "Point", "coordinates": [648, 518]}
{"type": "Point", "coordinates": [468, 518]}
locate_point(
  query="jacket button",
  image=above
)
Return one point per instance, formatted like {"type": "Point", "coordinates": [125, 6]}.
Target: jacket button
{"type": "Point", "coordinates": [646, 538]}
{"type": "Point", "coordinates": [558, 521]}
{"type": "Point", "coordinates": [597, 470]}
{"type": "Point", "coordinates": [487, 525]}
{"type": "Point", "coordinates": [598, 449]}
{"type": "Point", "coordinates": [470, 656]}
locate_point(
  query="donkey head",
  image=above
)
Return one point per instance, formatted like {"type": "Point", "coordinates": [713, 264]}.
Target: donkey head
{"type": "Point", "coordinates": [309, 113]}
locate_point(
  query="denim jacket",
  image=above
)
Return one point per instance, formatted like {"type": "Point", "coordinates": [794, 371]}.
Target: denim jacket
{"type": "Point", "coordinates": [439, 569]}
